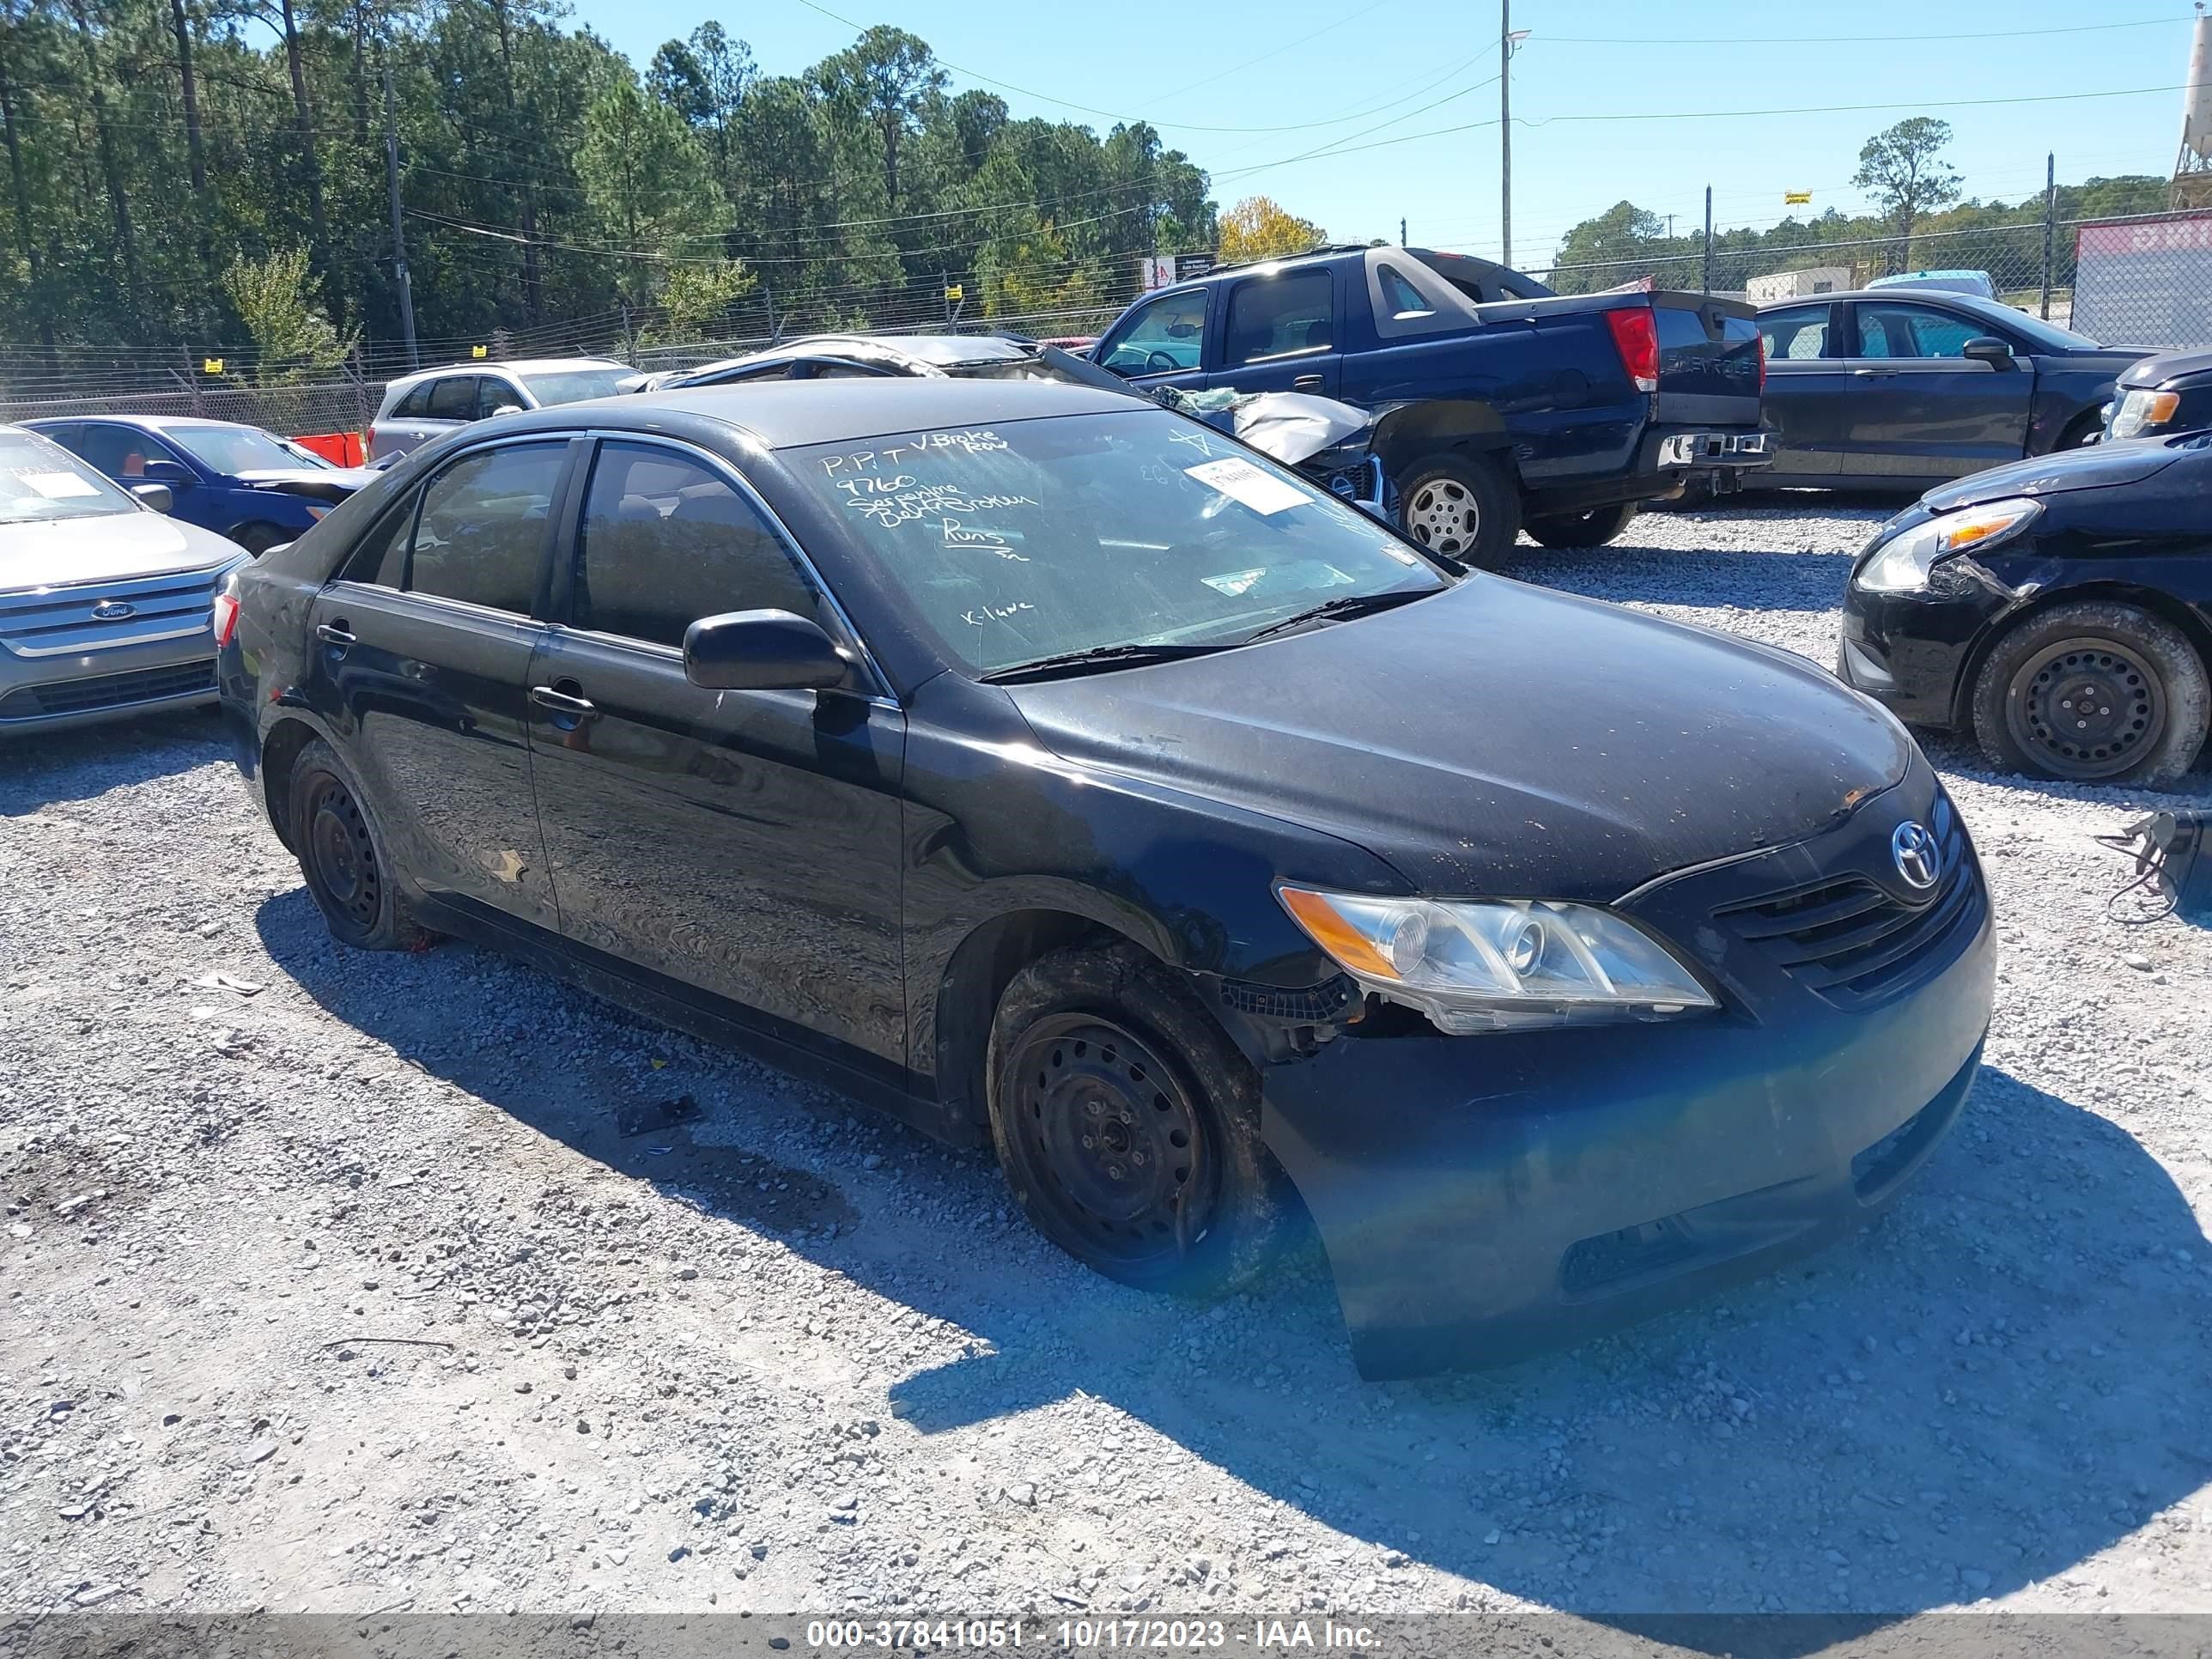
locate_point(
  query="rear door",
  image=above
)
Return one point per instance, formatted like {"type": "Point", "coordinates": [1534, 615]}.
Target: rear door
{"type": "Point", "coordinates": [743, 843]}
{"type": "Point", "coordinates": [1807, 394]}
{"type": "Point", "coordinates": [422, 661]}
{"type": "Point", "coordinates": [408, 426]}
{"type": "Point", "coordinates": [1281, 332]}
{"type": "Point", "coordinates": [1920, 411]}
{"type": "Point", "coordinates": [1162, 342]}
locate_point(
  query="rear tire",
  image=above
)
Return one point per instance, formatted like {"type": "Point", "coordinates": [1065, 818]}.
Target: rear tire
{"type": "Point", "coordinates": [1592, 529]}
{"type": "Point", "coordinates": [1128, 1126]}
{"type": "Point", "coordinates": [1463, 506]}
{"type": "Point", "coordinates": [342, 855]}
{"type": "Point", "coordinates": [258, 538]}
{"type": "Point", "coordinates": [2093, 692]}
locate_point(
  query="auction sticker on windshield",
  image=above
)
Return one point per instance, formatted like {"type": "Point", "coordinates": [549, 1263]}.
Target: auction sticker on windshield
{"type": "Point", "coordinates": [58, 486]}
{"type": "Point", "coordinates": [1243, 481]}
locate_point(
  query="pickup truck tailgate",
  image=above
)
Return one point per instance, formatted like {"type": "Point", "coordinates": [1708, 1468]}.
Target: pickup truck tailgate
{"type": "Point", "coordinates": [1709, 368]}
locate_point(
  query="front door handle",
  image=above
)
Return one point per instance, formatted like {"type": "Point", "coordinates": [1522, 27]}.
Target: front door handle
{"type": "Point", "coordinates": [1874, 373]}
{"type": "Point", "coordinates": [1306, 383]}
{"type": "Point", "coordinates": [567, 707]}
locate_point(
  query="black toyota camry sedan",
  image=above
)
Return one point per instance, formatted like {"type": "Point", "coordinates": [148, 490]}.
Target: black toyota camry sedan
{"type": "Point", "coordinates": [1064, 776]}
{"type": "Point", "coordinates": [2059, 609]}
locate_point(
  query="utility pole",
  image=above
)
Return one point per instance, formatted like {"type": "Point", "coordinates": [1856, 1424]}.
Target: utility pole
{"type": "Point", "coordinates": [399, 231]}
{"type": "Point", "coordinates": [2050, 220]}
{"type": "Point", "coordinates": [1709, 240]}
{"type": "Point", "coordinates": [1506, 131]}
{"type": "Point", "coordinates": [1401, 231]}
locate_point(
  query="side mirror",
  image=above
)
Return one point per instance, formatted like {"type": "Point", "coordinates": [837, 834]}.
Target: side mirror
{"type": "Point", "coordinates": [761, 651]}
{"type": "Point", "coordinates": [1375, 511]}
{"type": "Point", "coordinates": [175, 474]}
{"type": "Point", "coordinates": [507, 409]}
{"type": "Point", "coordinates": [1987, 348]}
{"type": "Point", "coordinates": [155, 495]}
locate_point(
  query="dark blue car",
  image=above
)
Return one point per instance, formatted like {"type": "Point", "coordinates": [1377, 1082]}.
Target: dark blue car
{"type": "Point", "coordinates": [253, 486]}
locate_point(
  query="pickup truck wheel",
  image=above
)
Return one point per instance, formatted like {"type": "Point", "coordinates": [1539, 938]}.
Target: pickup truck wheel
{"type": "Point", "coordinates": [1460, 506]}
{"type": "Point", "coordinates": [1128, 1126]}
{"type": "Point", "coordinates": [1592, 529]}
{"type": "Point", "coordinates": [2093, 692]}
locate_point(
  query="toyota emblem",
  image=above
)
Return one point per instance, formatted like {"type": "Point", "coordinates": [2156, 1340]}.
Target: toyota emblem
{"type": "Point", "coordinates": [1918, 854]}
{"type": "Point", "coordinates": [113, 611]}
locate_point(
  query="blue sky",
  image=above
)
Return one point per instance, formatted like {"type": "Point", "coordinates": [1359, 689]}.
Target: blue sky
{"type": "Point", "coordinates": [1359, 72]}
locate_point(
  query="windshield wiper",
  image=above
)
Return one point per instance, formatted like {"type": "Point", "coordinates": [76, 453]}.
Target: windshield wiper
{"type": "Point", "coordinates": [1348, 604]}
{"type": "Point", "coordinates": [1098, 657]}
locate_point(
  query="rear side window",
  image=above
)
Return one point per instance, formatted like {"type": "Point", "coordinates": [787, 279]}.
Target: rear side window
{"type": "Point", "coordinates": [454, 399]}
{"type": "Point", "coordinates": [1400, 297]}
{"type": "Point", "coordinates": [417, 403]}
{"type": "Point", "coordinates": [481, 533]}
{"type": "Point", "coordinates": [1279, 317]}
{"type": "Point", "coordinates": [665, 541]}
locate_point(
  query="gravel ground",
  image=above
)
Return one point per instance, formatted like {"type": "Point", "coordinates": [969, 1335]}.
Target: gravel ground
{"type": "Point", "coordinates": [355, 1282]}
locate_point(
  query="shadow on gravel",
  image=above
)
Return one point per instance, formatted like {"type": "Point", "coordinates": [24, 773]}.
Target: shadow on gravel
{"type": "Point", "coordinates": [1719, 580]}
{"type": "Point", "coordinates": [2008, 1374]}
{"type": "Point", "coordinates": [63, 766]}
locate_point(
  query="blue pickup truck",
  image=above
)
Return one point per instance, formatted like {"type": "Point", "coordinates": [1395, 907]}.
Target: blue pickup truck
{"type": "Point", "coordinates": [1500, 405]}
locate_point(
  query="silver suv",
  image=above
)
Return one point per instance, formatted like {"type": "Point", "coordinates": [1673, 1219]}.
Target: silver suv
{"type": "Point", "coordinates": [105, 604]}
{"type": "Point", "coordinates": [419, 407]}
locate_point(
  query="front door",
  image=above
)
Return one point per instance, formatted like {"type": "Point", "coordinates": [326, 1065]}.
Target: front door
{"type": "Point", "coordinates": [422, 651]}
{"type": "Point", "coordinates": [1279, 334]}
{"type": "Point", "coordinates": [743, 843]}
{"type": "Point", "coordinates": [1921, 412]}
{"type": "Point", "coordinates": [1809, 387]}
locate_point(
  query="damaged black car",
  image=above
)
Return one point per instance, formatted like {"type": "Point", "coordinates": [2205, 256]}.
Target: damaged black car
{"type": "Point", "coordinates": [1072, 779]}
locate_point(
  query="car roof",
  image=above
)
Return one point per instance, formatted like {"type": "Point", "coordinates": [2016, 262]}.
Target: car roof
{"type": "Point", "coordinates": [512, 366]}
{"type": "Point", "coordinates": [790, 414]}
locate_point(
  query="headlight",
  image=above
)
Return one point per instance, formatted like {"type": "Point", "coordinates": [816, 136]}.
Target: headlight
{"type": "Point", "coordinates": [1478, 965]}
{"type": "Point", "coordinates": [2140, 411]}
{"type": "Point", "coordinates": [1901, 566]}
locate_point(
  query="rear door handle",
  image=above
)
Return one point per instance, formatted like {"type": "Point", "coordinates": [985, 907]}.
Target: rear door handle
{"type": "Point", "coordinates": [1306, 383]}
{"type": "Point", "coordinates": [334, 634]}
{"type": "Point", "coordinates": [1875, 374]}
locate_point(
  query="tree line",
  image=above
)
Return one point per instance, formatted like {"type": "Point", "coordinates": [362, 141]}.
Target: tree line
{"type": "Point", "coordinates": [1919, 219]}
{"type": "Point", "coordinates": [182, 172]}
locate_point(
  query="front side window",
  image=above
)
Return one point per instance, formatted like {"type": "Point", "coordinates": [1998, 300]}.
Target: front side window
{"type": "Point", "coordinates": [1279, 317]}
{"type": "Point", "coordinates": [41, 480]}
{"type": "Point", "coordinates": [1795, 335]}
{"type": "Point", "coordinates": [454, 399]}
{"type": "Point", "coordinates": [1072, 532]}
{"type": "Point", "coordinates": [480, 532]}
{"type": "Point", "coordinates": [1894, 331]}
{"type": "Point", "coordinates": [121, 452]}
{"type": "Point", "coordinates": [665, 541]}
{"type": "Point", "coordinates": [231, 449]}
{"type": "Point", "coordinates": [494, 394]}
{"type": "Point", "coordinates": [1167, 335]}
{"type": "Point", "coordinates": [573, 385]}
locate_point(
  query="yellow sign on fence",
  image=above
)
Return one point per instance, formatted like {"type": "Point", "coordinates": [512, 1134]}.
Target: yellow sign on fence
{"type": "Point", "coordinates": [211, 365]}
{"type": "Point", "coordinates": [479, 351]}
{"type": "Point", "coordinates": [1796, 198]}
{"type": "Point", "coordinates": [953, 292]}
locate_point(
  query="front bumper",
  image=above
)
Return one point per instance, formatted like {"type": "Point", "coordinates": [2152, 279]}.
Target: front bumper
{"type": "Point", "coordinates": [56, 693]}
{"type": "Point", "coordinates": [1911, 651]}
{"type": "Point", "coordinates": [1484, 1198]}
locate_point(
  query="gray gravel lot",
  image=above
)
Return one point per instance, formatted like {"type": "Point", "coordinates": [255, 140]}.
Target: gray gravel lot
{"type": "Point", "coordinates": [332, 1281]}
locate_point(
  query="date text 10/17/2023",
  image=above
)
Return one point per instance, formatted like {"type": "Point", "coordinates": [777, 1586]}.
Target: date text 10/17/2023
{"type": "Point", "coordinates": [1088, 1635]}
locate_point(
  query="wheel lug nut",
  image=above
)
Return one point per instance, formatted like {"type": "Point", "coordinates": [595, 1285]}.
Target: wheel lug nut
{"type": "Point", "coordinates": [1088, 1143]}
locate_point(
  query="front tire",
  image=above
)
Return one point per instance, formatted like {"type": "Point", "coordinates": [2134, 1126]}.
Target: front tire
{"type": "Point", "coordinates": [2093, 692]}
{"type": "Point", "coordinates": [1592, 529]}
{"type": "Point", "coordinates": [1463, 506]}
{"type": "Point", "coordinates": [343, 856]}
{"type": "Point", "coordinates": [1128, 1126]}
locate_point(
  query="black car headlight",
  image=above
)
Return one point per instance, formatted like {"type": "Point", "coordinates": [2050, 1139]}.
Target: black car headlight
{"type": "Point", "coordinates": [1480, 964]}
{"type": "Point", "coordinates": [2142, 410]}
{"type": "Point", "coordinates": [1901, 564]}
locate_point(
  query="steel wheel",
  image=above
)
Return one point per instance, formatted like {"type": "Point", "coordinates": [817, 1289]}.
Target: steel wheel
{"type": "Point", "coordinates": [1111, 1144]}
{"type": "Point", "coordinates": [2086, 708]}
{"type": "Point", "coordinates": [1443, 515]}
{"type": "Point", "coordinates": [341, 855]}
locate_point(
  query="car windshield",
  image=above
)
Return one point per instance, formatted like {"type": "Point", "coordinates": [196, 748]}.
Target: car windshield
{"type": "Point", "coordinates": [1041, 537]}
{"type": "Point", "coordinates": [2045, 336]}
{"type": "Point", "coordinates": [41, 480]}
{"type": "Point", "coordinates": [573, 385]}
{"type": "Point", "coordinates": [235, 449]}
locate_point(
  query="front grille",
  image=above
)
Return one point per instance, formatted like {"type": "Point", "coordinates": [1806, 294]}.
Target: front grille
{"type": "Point", "coordinates": [62, 621]}
{"type": "Point", "coordinates": [108, 691]}
{"type": "Point", "coordinates": [1855, 942]}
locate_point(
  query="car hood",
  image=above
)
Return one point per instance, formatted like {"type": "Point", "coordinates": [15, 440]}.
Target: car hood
{"type": "Point", "coordinates": [1497, 738]}
{"type": "Point", "coordinates": [2166, 367]}
{"type": "Point", "coordinates": [326, 484]}
{"type": "Point", "coordinates": [2100, 467]}
{"type": "Point", "coordinates": [111, 547]}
